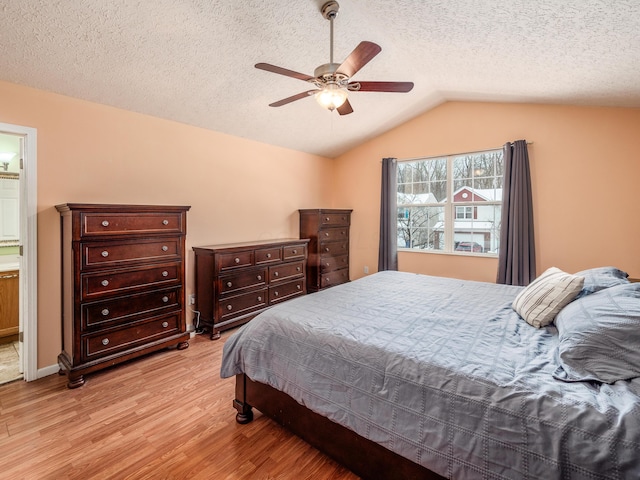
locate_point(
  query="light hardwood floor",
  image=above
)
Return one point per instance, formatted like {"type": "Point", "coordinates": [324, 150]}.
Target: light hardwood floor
{"type": "Point", "coordinates": [164, 416]}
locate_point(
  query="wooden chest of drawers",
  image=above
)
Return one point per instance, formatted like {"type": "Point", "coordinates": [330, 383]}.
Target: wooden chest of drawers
{"type": "Point", "coordinates": [328, 231]}
{"type": "Point", "coordinates": [122, 281]}
{"type": "Point", "coordinates": [235, 282]}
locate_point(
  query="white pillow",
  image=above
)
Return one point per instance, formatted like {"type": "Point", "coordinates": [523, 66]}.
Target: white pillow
{"type": "Point", "coordinates": [542, 299]}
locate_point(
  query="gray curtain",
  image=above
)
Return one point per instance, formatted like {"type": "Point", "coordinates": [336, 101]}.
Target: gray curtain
{"type": "Point", "coordinates": [388, 255]}
{"type": "Point", "coordinates": [517, 256]}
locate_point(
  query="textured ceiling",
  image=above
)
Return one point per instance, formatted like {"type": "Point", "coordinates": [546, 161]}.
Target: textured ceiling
{"type": "Point", "coordinates": [193, 60]}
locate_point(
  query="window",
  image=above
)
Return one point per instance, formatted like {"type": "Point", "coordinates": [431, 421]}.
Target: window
{"type": "Point", "coordinates": [466, 212]}
{"type": "Point", "coordinates": [470, 222]}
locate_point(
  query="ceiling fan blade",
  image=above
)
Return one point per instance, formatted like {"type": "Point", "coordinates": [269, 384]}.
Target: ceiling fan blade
{"type": "Point", "coordinates": [402, 87]}
{"type": "Point", "coordinates": [293, 98]}
{"type": "Point", "coordinates": [345, 108]}
{"type": "Point", "coordinates": [357, 59]}
{"type": "Point", "coordinates": [283, 71]}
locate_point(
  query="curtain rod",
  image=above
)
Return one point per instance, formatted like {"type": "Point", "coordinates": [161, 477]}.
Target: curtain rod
{"type": "Point", "coordinates": [454, 154]}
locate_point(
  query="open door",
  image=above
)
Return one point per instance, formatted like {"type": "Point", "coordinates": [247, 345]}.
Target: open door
{"type": "Point", "coordinates": [27, 249]}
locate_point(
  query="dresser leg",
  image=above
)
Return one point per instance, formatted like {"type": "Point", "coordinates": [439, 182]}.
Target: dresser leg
{"type": "Point", "coordinates": [75, 382]}
{"type": "Point", "coordinates": [183, 345]}
{"type": "Point", "coordinates": [215, 334]}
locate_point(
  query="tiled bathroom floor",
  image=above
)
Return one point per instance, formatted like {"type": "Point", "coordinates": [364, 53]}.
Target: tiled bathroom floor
{"type": "Point", "coordinates": [9, 362]}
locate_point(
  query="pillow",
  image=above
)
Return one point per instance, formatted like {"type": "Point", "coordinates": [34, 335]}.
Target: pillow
{"type": "Point", "coordinates": [543, 298]}
{"type": "Point", "coordinates": [596, 279]}
{"type": "Point", "coordinates": [599, 336]}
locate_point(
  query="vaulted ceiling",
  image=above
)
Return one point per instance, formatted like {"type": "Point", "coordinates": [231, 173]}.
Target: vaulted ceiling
{"type": "Point", "coordinates": [192, 61]}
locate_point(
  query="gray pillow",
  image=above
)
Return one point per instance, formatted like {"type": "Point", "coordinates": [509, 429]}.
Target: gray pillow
{"type": "Point", "coordinates": [599, 278]}
{"type": "Point", "coordinates": [599, 336]}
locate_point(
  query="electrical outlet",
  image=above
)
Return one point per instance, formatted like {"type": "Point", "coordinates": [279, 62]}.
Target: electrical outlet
{"type": "Point", "coordinates": [366, 269]}
{"type": "Point", "coordinates": [192, 299]}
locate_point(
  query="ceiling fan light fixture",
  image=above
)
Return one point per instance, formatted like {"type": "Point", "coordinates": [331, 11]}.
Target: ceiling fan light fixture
{"type": "Point", "coordinates": [331, 96]}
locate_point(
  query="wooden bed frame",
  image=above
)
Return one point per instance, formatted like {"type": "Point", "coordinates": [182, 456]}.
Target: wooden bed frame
{"type": "Point", "coordinates": [360, 455]}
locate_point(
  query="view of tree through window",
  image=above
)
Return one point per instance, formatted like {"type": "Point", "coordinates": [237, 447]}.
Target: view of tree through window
{"type": "Point", "coordinates": [470, 222]}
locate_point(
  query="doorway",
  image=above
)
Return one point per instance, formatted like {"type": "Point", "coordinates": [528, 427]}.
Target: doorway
{"type": "Point", "coordinates": [18, 281]}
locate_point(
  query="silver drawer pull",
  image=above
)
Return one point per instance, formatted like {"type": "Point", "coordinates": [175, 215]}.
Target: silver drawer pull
{"type": "Point", "coordinates": [259, 299]}
{"type": "Point", "coordinates": [165, 274]}
{"type": "Point", "coordinates": [326, 234]}
{"type": "Point", "coordinates": [165, 324]}
{"type": "Point", "coordinates": [276, 274]}
{"type": "Point", "coordinates": [259, 277]}
{"type": "Point", "coordinates": [237, 260]}
{"type": "Point", "coordinates": [298, 269]}
{"type": "Point", "coordinates": [105, 341]}
{"type": "Point", "coordinates": [328, 264]}
{"type": "Point", "coordinates": [327, 219]}
{"type": "Point", "coordinates": [326, 249]}
{"type": "Point", "coordinates": [165, 248]}
{"type": "Point", "coordinates": [298, 287]}
{"type": "Point", "coordinates": [229, 284]}
{"type": "Point", "coordinates": [105, 223]}
{"type": "Point", "coordinates": [295, 251]}
{"type": "Point", "coordinates": [105, 254]}
{"type": "Point", "coordinates": [165, 299]}
{"type": "Point", "coordinates": [275, 294]}
{"type": "Point", "coordinates": [105, 312]}
{"type": "Point", "coordinates": [268, 255]}
{"type": "Point", "coordinates": [105, 283]}
{"type": "Point", "coordinates": [229, 307]}
{"type": "Point", "coordinates": [328, 280]}
{"type": "Point", "coordinates": [165, 222]}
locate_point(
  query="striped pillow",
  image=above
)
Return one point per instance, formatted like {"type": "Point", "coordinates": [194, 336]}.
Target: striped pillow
{"type": "Point", "coordinates": [542, 300]}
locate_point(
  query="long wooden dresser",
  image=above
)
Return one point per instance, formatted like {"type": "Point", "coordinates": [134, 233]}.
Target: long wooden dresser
{"type": "Point", "coordinates": [328, 231]}
{"type": "Point", "coordinates": [235, 282]}
{"type": "Point", "coordinates": [122, 284]}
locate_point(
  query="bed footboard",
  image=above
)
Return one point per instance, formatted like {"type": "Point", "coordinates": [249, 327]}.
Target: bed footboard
{"type": "Point", "coordinates": [360, 455]}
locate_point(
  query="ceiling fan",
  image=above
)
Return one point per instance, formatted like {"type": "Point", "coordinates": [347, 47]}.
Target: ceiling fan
{"type": "Point", "coordinates": [332, 80]}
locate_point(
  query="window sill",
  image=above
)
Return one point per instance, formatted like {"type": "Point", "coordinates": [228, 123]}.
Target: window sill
{"type": "Point", "coordinates": [455, 254]}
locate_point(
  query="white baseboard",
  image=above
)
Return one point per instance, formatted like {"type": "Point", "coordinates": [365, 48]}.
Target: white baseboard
{"type": "Point", "coordinates": [46, 371]}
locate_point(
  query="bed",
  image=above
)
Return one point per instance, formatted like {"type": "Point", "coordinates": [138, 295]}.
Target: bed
{"type": "Point", "coordinates": [398, 375]}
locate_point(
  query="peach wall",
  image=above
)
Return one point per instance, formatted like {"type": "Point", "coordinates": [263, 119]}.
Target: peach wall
{"type": "Point", "coordinates": [585, 167]}
{"type": "Point", "coordinates": [238, 189]}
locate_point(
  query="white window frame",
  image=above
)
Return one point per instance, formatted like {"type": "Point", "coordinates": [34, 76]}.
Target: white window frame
{"type": "Point", "coordinates": [450, 207]}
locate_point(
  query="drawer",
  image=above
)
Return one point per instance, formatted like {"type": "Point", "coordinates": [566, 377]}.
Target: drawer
{"type": "Point", "coordinates": [329, 264]}
{"type": "Point", "coordinates": [334, 219]}
{"type": "Point", "coordinates": [293, 252]}
{"type": "Point", "coordinates": [229, 261]}
{"type": "Point", "coordinates": [232, 283]}
{"type": "Point", "coordinates": [285, 291]}
{"type": "Point", "coordinates": [333, 234]}
{"type": "Point", "coordinates": [329, 249]}
{"type": "Point", "coordinates": [334, 278]}
{"type": "Point", "coordinates": [113, 282]}
{"type": "Point", "coordinates": [287, 271]}
{"type": "Point", "coordinates": [126, 309]}
{"type": "Point", "coordinates": [115, 253]}
{"type": "Point", "coordinates": [96, 223]}
{"type": "Point", "coordinates": [267, 255]}
{"type": "Point", "coordinates": [114, 340]}
{"type": "Point", "coordinates": [241, 304]}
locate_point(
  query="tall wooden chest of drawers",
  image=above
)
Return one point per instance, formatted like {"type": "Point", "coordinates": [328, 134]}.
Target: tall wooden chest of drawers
{"type": "Point", "coordinates": [328, 231]}
{"type": "Point", "coordinates": [122, 284]}
{"type": "Point", "coordinates": [235, 282]}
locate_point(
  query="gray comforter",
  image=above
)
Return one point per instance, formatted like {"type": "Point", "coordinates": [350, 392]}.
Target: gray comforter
{"type": "Point", "coordinates": [445, 373]}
